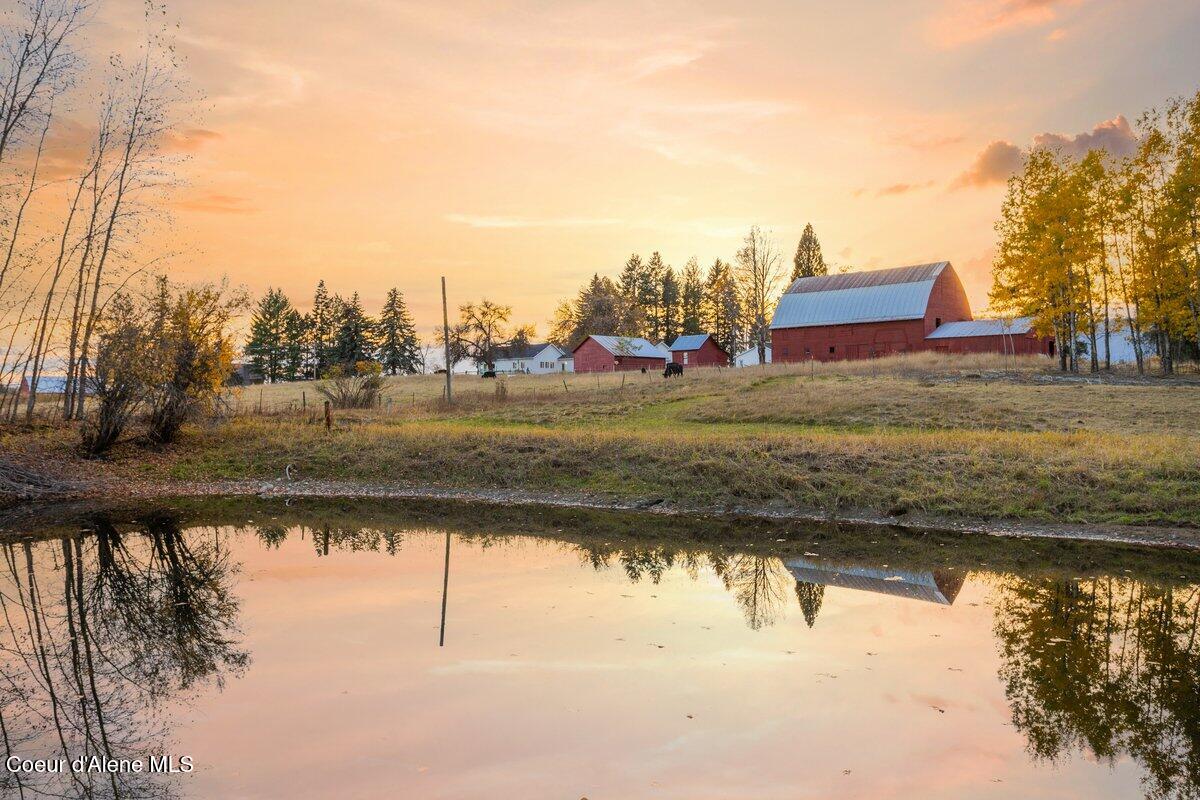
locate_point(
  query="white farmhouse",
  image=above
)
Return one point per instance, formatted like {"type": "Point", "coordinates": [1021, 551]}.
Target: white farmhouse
{"type": "Point", "coordinates": [533, 359]}
{"type": "Point", "coordinates": [749, 358]}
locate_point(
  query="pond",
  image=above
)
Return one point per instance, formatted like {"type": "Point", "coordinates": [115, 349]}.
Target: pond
{"type": "Point", "coordinates": [261, 649]}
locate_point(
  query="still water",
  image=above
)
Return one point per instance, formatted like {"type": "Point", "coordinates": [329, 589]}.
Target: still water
{"type": "Point", "coordinates": [425, 651]}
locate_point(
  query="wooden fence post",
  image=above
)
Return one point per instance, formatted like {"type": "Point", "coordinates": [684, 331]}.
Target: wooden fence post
{"type": "Point", "coordinates": [328, 415]}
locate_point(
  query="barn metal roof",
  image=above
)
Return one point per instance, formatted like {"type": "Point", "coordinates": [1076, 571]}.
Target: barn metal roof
{"type": "Point", "coordinates": [875, 296]}
{"type": "Point", "coordinates": [634, 346]}
{"type": "Point", "coordinates": [692, 341]}
{"type": "Point", "coordinates": [930, 587]}
{"type": "Point", "coordinates": [983, 327]}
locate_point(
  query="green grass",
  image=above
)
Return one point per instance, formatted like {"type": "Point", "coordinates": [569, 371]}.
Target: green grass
{"type": "Point", "coordinates": [945, 437]}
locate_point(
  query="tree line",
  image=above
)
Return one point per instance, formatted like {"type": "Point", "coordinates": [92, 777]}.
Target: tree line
{"type": "Point", "coordinates": [285, 345]}
{"type": "Point", "coordinates": [1099, 246]}
{"type": "Point", "coordinates": [731, 300]}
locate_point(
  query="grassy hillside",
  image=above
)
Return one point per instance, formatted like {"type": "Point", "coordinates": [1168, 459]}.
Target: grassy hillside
{"type": "Point", "coordinates": [979, 437]}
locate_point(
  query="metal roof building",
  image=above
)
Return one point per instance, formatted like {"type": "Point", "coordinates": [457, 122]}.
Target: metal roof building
{"type": "Point", "coordinates": [887, 311]}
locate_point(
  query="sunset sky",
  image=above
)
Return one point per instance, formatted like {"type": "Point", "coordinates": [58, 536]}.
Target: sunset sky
{"type": "Point", "coordinates": [518, 147]}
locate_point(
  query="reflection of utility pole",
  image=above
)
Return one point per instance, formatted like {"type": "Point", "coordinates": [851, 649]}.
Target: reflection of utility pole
{"type": "Point", "coordinates": [445, 587]}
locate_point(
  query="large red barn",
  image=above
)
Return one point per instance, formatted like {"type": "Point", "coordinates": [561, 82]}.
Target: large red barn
{"type": "Point", "coordinates": [881, 312]}
{"type": "Point", "coordinates": [617, 354]}
{"type": "Point", "coordinates": [698, 350]}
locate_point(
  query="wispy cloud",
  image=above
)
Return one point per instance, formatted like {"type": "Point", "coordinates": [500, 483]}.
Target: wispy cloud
{"type": "Point", "coordinates": [478, 221]}
{"type": "Point", "coordinates": [215, 203]}
{"type": "Point", "coordinates": [902, 188]}
{"type": "Point", "coordinates": [963, 22]}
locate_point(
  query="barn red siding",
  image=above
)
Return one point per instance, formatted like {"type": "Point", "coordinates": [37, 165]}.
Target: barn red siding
{"type": "Point", "coordinates": [708, 354]}
{"type": "Point", "coordinates": [590, 356]}
{"type": "Point", "coordinates": [1027, 344]}
{"type": "Point", "coordinates": [838, 342]}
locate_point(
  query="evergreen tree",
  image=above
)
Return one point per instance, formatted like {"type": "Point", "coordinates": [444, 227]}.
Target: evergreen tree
{"type": "Point", "coordinates": [354, 336]}
{"type": "Point", "coordinates": [319, 339]}
{"type": "Point", "coordinates": [602, 306]}
{"type": "Point", "coordinates": [723, 312]}
{"type": "Point", "coordinates": [399, 348]}
{"type": "Point", "coordinates": [808, 261]}
{"type": "Point", "coordinates": [670, 305]}
{"type": "Point", "coordinates": [631, 277]}
{"type": "Point", "coordinates": [650, 297]}
{"type": "Point", "coordinates": [691, 299]}
{"type": "Point", "coordinates": [273, 345]}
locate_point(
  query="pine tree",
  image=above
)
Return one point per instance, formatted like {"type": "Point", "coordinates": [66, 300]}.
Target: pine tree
{"type": "Point", "coordinates": [399, 348]}
{"type": "Point", "coordinates": [691, 299]}
{"type": "Point", "coordinates": [354, 336]}
{"type": "Point", "coordinates": [808, 261]}
{"type": "Point", "coordinates": [670, 305]}
{"type": "Point", "coordinates": [319, 339]}
{"type": "Point", "coordinates": [723, 314]}
{"type": "Point", "coordinates": [650, 296]}
{"type": "Point", "coordinates": [273, 337]}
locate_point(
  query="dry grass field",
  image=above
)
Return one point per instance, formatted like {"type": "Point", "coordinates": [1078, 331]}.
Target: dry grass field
{"type": "Point", "coordinates": [966, 437]}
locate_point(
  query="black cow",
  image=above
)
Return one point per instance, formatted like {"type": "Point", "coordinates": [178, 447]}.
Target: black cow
{"type": "Point", "coordinates": [673, 370]}
{"type": "Point", "coordinates": [491, 373]}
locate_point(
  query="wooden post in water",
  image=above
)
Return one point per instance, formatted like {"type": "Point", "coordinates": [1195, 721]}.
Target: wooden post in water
{"type": "Point", "coordinates": [328, 415]}
{"type": "Point", "coordinates": [446, 339]}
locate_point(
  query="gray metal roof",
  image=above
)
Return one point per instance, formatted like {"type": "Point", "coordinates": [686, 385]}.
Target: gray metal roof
{"type": "Point", "coordinates": [983, 327]}
{"type": "Point", "coordinates": [931, 587]}
{"type": "Point", "coordinates": [628, 346]}
{"type": "Point", "coordinates": [692, 341]}
{"type": "Point", "coordinates": [855, 297]}
{"type": "Point", "coordinates": [528, 351]}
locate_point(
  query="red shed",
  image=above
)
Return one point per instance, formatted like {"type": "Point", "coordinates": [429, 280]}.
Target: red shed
{"type": "Point", "coordinates": [698, 350]}
{"type": "Point", "coordinates": [617, 354]}
{"type": "Point", "coordinates": [1014, 337]}
{"type": "Point", "coordinates": [866, 314]}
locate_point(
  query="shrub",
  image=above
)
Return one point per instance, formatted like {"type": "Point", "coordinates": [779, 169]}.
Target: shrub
{"type": "Point", "coordinates": [358, 387]}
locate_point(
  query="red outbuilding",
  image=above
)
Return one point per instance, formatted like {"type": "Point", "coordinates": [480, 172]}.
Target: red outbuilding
{"type": "Point", "coordinates": [617, 354]}
{"type": "Point", "coordinates": [881, 312]}
{"type": "Point", "coordinates": [1011, 337]}
{"type": "Point", "coordinates": [698, 350]}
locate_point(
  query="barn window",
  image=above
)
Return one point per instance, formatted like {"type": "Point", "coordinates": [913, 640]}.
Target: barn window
{"type": "Point", "coordinates": [937, 322]}
{"type": "Point", "coordinates": [685, 358]}
{"type": "Point", "coordinates": [831, 348]}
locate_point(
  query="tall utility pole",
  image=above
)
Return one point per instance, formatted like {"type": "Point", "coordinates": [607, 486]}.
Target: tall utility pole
{"type": "Point", "coordinates": [446, 339]}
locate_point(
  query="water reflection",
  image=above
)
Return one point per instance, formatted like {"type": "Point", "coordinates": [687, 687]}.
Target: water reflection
{"type": "Point", "coordinates": [99, 629]}
{"type": "Point", "coordinates": [113, 622]}
{"type": "Point", "coordinates": [1109, 667]}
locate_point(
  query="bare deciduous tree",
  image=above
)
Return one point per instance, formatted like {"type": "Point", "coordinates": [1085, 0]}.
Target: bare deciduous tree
{"type": "Point", "coordinates": [759, 271]}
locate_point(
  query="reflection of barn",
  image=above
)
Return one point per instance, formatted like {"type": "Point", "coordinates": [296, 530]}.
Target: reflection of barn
{"type": "Point", "coordinates": [938, 586]}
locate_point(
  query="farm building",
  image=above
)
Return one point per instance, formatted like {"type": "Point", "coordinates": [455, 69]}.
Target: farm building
{"type": "Point", "coordinates": [698, 350]}
{"type": "Point", "coordinates": [536, 359]}
{"type": "Point", "coordinates": [749, 357]}
{"type": "Point", "coordinates": [990, 336]}
{"type": "Point", "coordinates": [617, 354]}
{"type": "Point", "coordinates": [878, 313]}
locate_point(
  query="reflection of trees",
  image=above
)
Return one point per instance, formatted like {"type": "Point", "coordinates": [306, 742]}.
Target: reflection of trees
{"type": "Point", "coordinates": [98, 631]}
{"type": "Point", "coordinates": [810, 596]}
{"type": "Point", "coordinates": [1107, 666]}
{"type": "Point", "coordinates": [759, 584]}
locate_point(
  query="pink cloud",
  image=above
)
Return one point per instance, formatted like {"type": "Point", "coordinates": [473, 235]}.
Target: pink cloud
{"type": "Point", "coordinates": [998, 161]}
{"type": "Point", "coordinates": [962, 23]}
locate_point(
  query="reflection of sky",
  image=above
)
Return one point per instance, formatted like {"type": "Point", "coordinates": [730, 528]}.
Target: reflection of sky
{"type": "Point", "coordinates": [558, 681]}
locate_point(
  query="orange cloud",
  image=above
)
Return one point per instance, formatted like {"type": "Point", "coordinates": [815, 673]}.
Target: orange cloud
{"type": "Point", "coordinates": [188, 140]}
{"type": "Point", "coordinates": [216, 203]}
{"type": "Point", "coordinates": [903, 188]}
{"type": "Point", "coordinates": [966, 22]}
